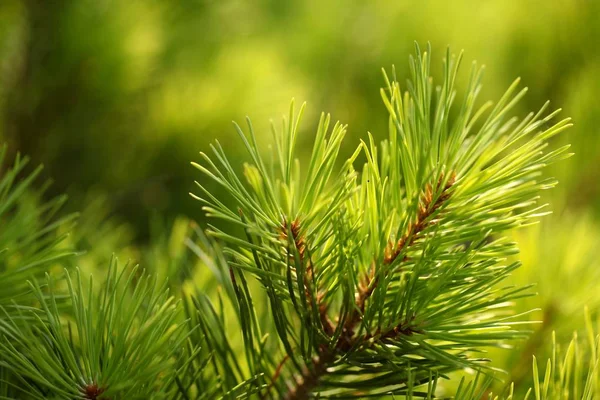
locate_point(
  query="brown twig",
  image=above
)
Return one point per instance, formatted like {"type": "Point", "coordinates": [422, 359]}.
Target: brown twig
{"type": "Point", "coordinates": [310, 377]}
{"type": "Point", "coordinates": [302, 248]}
{"type": "Point", "coordinates": [426, 208]}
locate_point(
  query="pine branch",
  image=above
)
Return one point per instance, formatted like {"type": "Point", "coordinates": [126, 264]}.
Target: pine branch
{"type": "Point", "coordinates": [114, 344]}
{"type": "Point", "coordinates": [390, 275]}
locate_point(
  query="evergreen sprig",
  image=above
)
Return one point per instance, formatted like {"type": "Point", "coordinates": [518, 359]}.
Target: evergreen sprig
{"type": "Point", "coordinates": [379, 280]}
{"type": "Point", "coordinates": [117, 343]}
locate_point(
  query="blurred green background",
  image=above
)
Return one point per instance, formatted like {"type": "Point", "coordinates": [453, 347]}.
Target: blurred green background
{"type": "Point", "coordinates": [116, 98]}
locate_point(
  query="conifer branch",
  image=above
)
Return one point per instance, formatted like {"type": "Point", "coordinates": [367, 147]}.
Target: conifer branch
{"type": "Point", "coordinates": [118, 343]}
{"type": "Point", "coordinates": [380, 279]}
{"type": "Point", "coordinates": [378, 282]}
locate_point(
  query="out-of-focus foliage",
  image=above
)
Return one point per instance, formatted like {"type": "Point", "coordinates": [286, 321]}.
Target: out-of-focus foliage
{"type": "Point", "coordinates": [33, 239]}
{"type": "Point", "coordinates": [570, 371]}
{"type": "Point", "coordinates": [561, 257]}
{"type": "Point", "coordinates": [122, 107]}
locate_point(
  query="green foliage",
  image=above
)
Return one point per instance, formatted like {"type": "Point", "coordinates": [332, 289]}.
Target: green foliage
{"type": "Point", "coordinates": [115, 344]}
{"type": "Point", "coordinates": [570, 373]}
{"type": "Point", "coordinates": [380, 280]}
{"type": "Point", "coordinates": [558, 255]}
{"type": "Point", "coordinates": [576, 376]}
{"type": "Point", "coordinates": [383, 274]}
{"type": "Point", "coordinates": [224, 336]}
{"type": "Point", "coordinates": [32, 237]}
{"type": "Point", "coordinates": [156, 81]}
